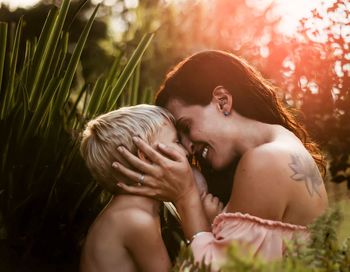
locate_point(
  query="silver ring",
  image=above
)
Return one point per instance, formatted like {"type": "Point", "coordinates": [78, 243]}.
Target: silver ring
{"type": "Point", "coordinates": [141, 180]}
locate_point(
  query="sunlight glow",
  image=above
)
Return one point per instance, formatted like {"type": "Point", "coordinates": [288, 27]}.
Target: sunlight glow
{"type": "Point", "coordinates": [13, 4]}
{"type": "Point", "coordinates": [290, 11]}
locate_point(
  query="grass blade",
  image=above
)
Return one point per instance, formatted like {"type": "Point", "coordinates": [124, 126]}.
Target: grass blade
{"type": "Point", "coordinates": [73, 63]}
{"type": "Point", "coordinates": [96, 97]}
{"type": "Point", "coordinates": [129, 69]}
{"type": "Point", "coordinates": [47, 52]}
{"type": "Point", "coordinates": [76, 12]}
{"type": "Point", "coordinates": [10, 88]}
{"type": "Point", "coordinates": [3, 41]}
{"type": "Point", "coordinates": [135, 90]}
{"type": "Point", "coordinates": [39, 114]}
{"type": "Point", "coordinates": [75, 106]}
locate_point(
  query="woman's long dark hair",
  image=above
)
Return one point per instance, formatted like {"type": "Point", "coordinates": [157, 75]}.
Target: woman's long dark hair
{"type": "Point", "coordinates": [193, 80]}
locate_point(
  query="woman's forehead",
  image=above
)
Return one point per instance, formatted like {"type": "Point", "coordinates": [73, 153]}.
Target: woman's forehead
{"type": "Point", "coordinates": [178, 108]}
{"type": "Point", "coordinates": [173, 104]}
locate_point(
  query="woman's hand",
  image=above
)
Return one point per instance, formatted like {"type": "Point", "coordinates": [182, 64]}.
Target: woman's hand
{"type": "Point", "coordinates": [167, 178]}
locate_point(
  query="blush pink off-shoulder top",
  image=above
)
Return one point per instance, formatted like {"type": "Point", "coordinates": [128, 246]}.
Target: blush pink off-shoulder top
{"type": "Point", "coordinates": [261, 237]}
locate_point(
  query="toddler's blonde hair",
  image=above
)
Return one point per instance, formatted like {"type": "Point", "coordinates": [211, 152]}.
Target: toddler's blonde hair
{"type": "Point", "coordinates": [105, 133]}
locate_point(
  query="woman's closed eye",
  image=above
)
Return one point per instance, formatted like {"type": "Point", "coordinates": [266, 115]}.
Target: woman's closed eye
{"type": "Point", "coordinates": [183, 126]}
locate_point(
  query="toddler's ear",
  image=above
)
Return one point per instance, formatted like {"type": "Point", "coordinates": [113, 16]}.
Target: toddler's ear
{"type": "Point", "coordinates": [142, 156]}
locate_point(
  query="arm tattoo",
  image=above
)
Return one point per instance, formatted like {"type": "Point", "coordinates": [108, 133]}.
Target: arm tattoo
{"type": "Point", "coordinates": [305, 169]}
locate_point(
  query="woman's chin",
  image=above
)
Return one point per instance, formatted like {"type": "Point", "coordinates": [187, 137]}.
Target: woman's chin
{"type": "Point", "coordinates": [221, 164]}
{"type": "Point", "coordinates": [218, 165]}
{"type": "Point", "coordinates": [215, 164]}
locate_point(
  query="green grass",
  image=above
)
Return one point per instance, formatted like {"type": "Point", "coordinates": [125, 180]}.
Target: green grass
{"type": "Point", "coordinates": [339, 196]}
{"type": "Point", "coordinates": [344, 229]}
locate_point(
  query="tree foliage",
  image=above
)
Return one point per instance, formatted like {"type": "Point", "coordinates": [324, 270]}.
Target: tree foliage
{"type": "Point", "coordinates": [311, 67]}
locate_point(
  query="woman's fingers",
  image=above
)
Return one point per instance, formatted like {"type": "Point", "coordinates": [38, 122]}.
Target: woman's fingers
{"type": "Point", "coordinates": [136, 177]}
{"type": "Point", "coordinates": [149, 151]}
{"type": "Point", "coordinates": [171, 153]}
{"type": "Point", "coordinates": [144, 167]}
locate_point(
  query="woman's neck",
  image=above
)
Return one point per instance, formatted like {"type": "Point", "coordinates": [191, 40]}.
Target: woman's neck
{"type": "Point", "coordinates": [252, 133]}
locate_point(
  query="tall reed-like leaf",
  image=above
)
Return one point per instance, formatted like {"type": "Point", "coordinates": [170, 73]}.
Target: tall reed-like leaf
{"type": "Point", "coordinates": [62, 57]}
{"type": "Point", "coordinates": [76, 12]}
{"type": "Point", "coordinates": [54, 31]}
{"type": "Point", "coordinates": [103, 101]}
{"type": "Point", "coordinates": [128, 70]}
{"type": "Point", "coordinates": [3, 42]}
{"type": "Point", "coordinates": [40, 46]}
{"type": "Point", "coordinates": [96, 98]}
{"type": "Point", "coordinates": [58, 57]}
{"type": "Point", "coordinates": [26, 63]}
{"type": "Point", "coordinates": [73, 64]}
{"type": "Point", "coordinates": [39, 114]}
{"type": "Point", "coordinates": [115, 69]}
{"type": "Point", "coordinates": [135, 89]}
{"type": "Point", "coordinates": [9, 95]}
{"type": "Point", "coordinates": [74, 108]}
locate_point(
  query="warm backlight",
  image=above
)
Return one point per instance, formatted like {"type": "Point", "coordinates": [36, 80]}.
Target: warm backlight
{"type": "Point", "coordinates": [290, 11]}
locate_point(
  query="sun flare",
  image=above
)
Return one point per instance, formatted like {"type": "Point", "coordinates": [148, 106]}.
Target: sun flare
{"type": "Point", "coordinates": [13, 4]}
{"type": "Point", "coordinates": [290, 11]}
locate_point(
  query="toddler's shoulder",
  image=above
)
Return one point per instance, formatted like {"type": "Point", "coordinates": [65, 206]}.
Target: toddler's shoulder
{"type": "Point", "coordinates": [130, 217]}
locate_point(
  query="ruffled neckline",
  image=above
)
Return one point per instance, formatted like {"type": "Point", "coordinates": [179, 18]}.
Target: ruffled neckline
{"type": "Point", "coordinates": [254, 219]}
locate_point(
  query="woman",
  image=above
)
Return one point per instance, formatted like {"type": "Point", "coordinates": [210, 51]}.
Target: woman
{"type": "Point", "coordinates": [225, 111]}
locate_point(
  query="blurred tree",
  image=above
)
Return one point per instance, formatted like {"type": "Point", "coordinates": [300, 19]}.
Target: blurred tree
{"type": "Point", "coordinates": [311, 67]}
{"type": "Point", "coordinates": [316, 76]}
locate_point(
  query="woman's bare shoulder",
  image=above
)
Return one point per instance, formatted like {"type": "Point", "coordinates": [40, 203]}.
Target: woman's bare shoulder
{"type": "Point", "coordinates": [264, 177]}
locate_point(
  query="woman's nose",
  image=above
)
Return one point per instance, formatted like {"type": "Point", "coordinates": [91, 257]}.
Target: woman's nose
{"type": "Point", "coordinates": [187, 143]}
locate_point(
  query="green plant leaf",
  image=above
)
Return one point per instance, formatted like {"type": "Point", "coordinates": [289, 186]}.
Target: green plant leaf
{"type": "Point", "coordinates": [128, 70]}
{"type": "Point", "coordinates": [3, 43]}
{"type": "Point", "coordinates": [96, 98]}
{"type": "Point", "coordinates": [45, 52]}
{"type": "Point", "coordinates": [9, 95]}
{"type": "Point", "coordinates": [40, 112]}
{"type": "Point", "coordinates": [64, 91]}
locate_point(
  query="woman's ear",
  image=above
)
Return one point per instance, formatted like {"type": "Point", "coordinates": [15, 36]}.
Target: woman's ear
{"type": "Point", "coordinates": [222, 98]}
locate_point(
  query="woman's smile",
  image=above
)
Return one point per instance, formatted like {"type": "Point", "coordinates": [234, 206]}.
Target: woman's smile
{"type": "Point", "coordinates": [205, 152]}
{"type": "Point", "coordinates": [200, 134]}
